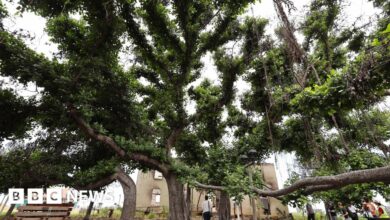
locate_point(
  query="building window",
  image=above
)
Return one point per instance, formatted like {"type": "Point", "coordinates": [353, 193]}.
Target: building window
{"type": "Point", "coordinates": [156, 197]}
{"type": "Point", "coordinates": [157, 175]}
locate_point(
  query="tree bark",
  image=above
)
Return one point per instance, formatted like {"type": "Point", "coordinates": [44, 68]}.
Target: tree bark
{"type": "Point", "coordinates": [89, 210]}
{"type": "Point", "coordinates": [129, 193]}
{"type": "Point", "coordinates": [177, 208]}
{"type": "Point", "coordinates": [109, 142]}
{"type": "Point", "coordinates": [224, 206]}
{"type": "Point", "coordinates": [3, 203]}
{"type": "Point", "coordinates": [322, 183]}
{"type": "Point", "coordinates": [189, 201]}
{"type": "Point", "coordinates": [381, 174]}
{"type": "Point", "coordinates": [252, 198]}
{"type": "Point", "coordinates": [9, 212]}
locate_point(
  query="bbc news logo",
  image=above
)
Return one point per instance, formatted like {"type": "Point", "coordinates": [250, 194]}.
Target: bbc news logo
{"type": "Point", "coordinates": [59, 196]}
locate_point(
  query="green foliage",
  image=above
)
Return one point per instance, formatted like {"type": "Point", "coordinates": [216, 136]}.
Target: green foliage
{"type": "Point", "coordinates": [102, 168]}
{"type": "Point", "coordinates": [237, 183]}
{"type": "Point", "coordinates": [343, 90]}
{"type": "Point", "coordinates": [3, 14]}
{"type": "Point", "coordinates": [26, 168]}
{"type": "Point", "coordinates": [19, 110]}
{"type": "Point", "coordinates": [297, 198]}
{"type": "Point", "coordinates": [293, 104]}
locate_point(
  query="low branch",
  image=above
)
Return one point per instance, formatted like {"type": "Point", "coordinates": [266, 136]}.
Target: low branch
{"type": "Point", "coordinates": [381, 174]}
{"type": "Point", "coordinates": [322, 183]}
{"type": "Point", "coordinates": [211, 187]}
{"type": "Point", "coordinates": [98, 184]}
{"type": "Point", "coordinates": [312, 189]}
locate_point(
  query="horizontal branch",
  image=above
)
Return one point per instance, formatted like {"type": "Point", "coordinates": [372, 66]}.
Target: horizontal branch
{"type": "Point", "coordinates": [211, 187]}
{"type": "Point", "coordinates": [119, 175]}
{"type": "Point", "coordinates": [98, 184]}
{"type": "Point", "coordinates": [322, 183]}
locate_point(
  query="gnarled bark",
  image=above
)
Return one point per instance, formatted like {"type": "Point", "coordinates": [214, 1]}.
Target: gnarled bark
{"type": "Point", "coordinates": [321, 183]}
{"type": "Point", "coordinates": [224, 206]}
{"type": "Point", "coordinates": [189, 200]}
{"type": "Point", "coordinates": [108, 141]}
{"type": "Point", "coordinates": [177, 207]}
{"type": "Point", "coordinates": [129, 193]}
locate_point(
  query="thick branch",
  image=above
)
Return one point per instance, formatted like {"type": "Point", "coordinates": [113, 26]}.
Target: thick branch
{"type": "Point", "coordinates": [172, 138]}
{"type": "Point", "coordinates": [152, 163]}
{"type": "Point", "coordinates": [139, 38]}
{"type": "Point", "coordinates": [211, 187]}
{"type": "Point", "coordinates": [100, 183]}
{"type": "Point", "coordinates": [381, 174]}
{"type": "Point", "coordinates": [158, 23]}
{"type": "Point", "coordinates": [91, 133]}
{"type": "Point", "coordinates": [321, 183]}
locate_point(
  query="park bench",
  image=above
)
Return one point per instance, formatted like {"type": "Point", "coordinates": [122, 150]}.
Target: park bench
{"type": "Point", "coordinates": [43, 212]}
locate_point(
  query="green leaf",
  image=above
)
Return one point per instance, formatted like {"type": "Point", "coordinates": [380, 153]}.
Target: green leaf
{"type": "Point", "coordinates": [387, 30]}
{"type": "Point", "coordinates": [375, 42]}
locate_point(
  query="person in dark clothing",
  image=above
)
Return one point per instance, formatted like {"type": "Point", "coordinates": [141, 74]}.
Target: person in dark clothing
{"type": "Point", "coordinates": [310, 212]}
{"type": "Point", "coordinates": [344, 211]}
{"type": "Point", "coordinates": [332, 212]}
{"type": "Point", "coordinates": [352, 212]}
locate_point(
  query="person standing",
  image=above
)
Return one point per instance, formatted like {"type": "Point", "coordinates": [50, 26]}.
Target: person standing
{"type": "Point", "coordinates": [371, 206]}
{"type": "Point", "coordinates": [332, 212]}
{"type": "Point", "coordinates": [367, 212]}
{"type": "Point", "coordinates": [352, 211]}
{"type": "Point", "coordinates": [310, 212]}
{"type": "Point", "coordinates": [344, 211]}
{"type": "Point", "coordinates": [381, 211]}
{"type": "Point", "coordinates": [206, 208]}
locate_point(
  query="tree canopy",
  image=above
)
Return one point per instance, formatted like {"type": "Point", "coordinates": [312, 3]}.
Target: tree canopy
{"type": "Point", "coordinates": [317, 99]}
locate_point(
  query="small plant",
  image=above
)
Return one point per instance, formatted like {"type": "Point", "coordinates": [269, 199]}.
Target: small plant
{"type": "Point", "coordinates": [151, 216]}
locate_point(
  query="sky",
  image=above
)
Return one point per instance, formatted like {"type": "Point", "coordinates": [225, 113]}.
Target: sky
{"type": "Point", "coordinates": [284, 163]}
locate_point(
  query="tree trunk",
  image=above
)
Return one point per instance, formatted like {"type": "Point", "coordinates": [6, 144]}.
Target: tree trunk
{"type": "Point", "coordinates": [3, 203]}
{"type": "Point", "coordinates": [224, 206]}
{"type": "Point", "coordinates": [129, 193]}
{"type": "Point", "coordinates": [189, 201]}
{"type": "Point", "coordinates": [177, 208]}
{"type": "Point", "coordinates": [252, 198]}
{"type": "Point", "coordinates": [9, 212]}
{"type": "Point", "coordinates": [89, 210]}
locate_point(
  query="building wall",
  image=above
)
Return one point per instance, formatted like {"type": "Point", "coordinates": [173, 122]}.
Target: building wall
{"type": "Point", "coordinates": [146, 183]}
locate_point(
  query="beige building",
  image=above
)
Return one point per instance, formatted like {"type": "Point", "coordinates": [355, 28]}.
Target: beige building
{"type": "Point", "coordinates": [152, 191]}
